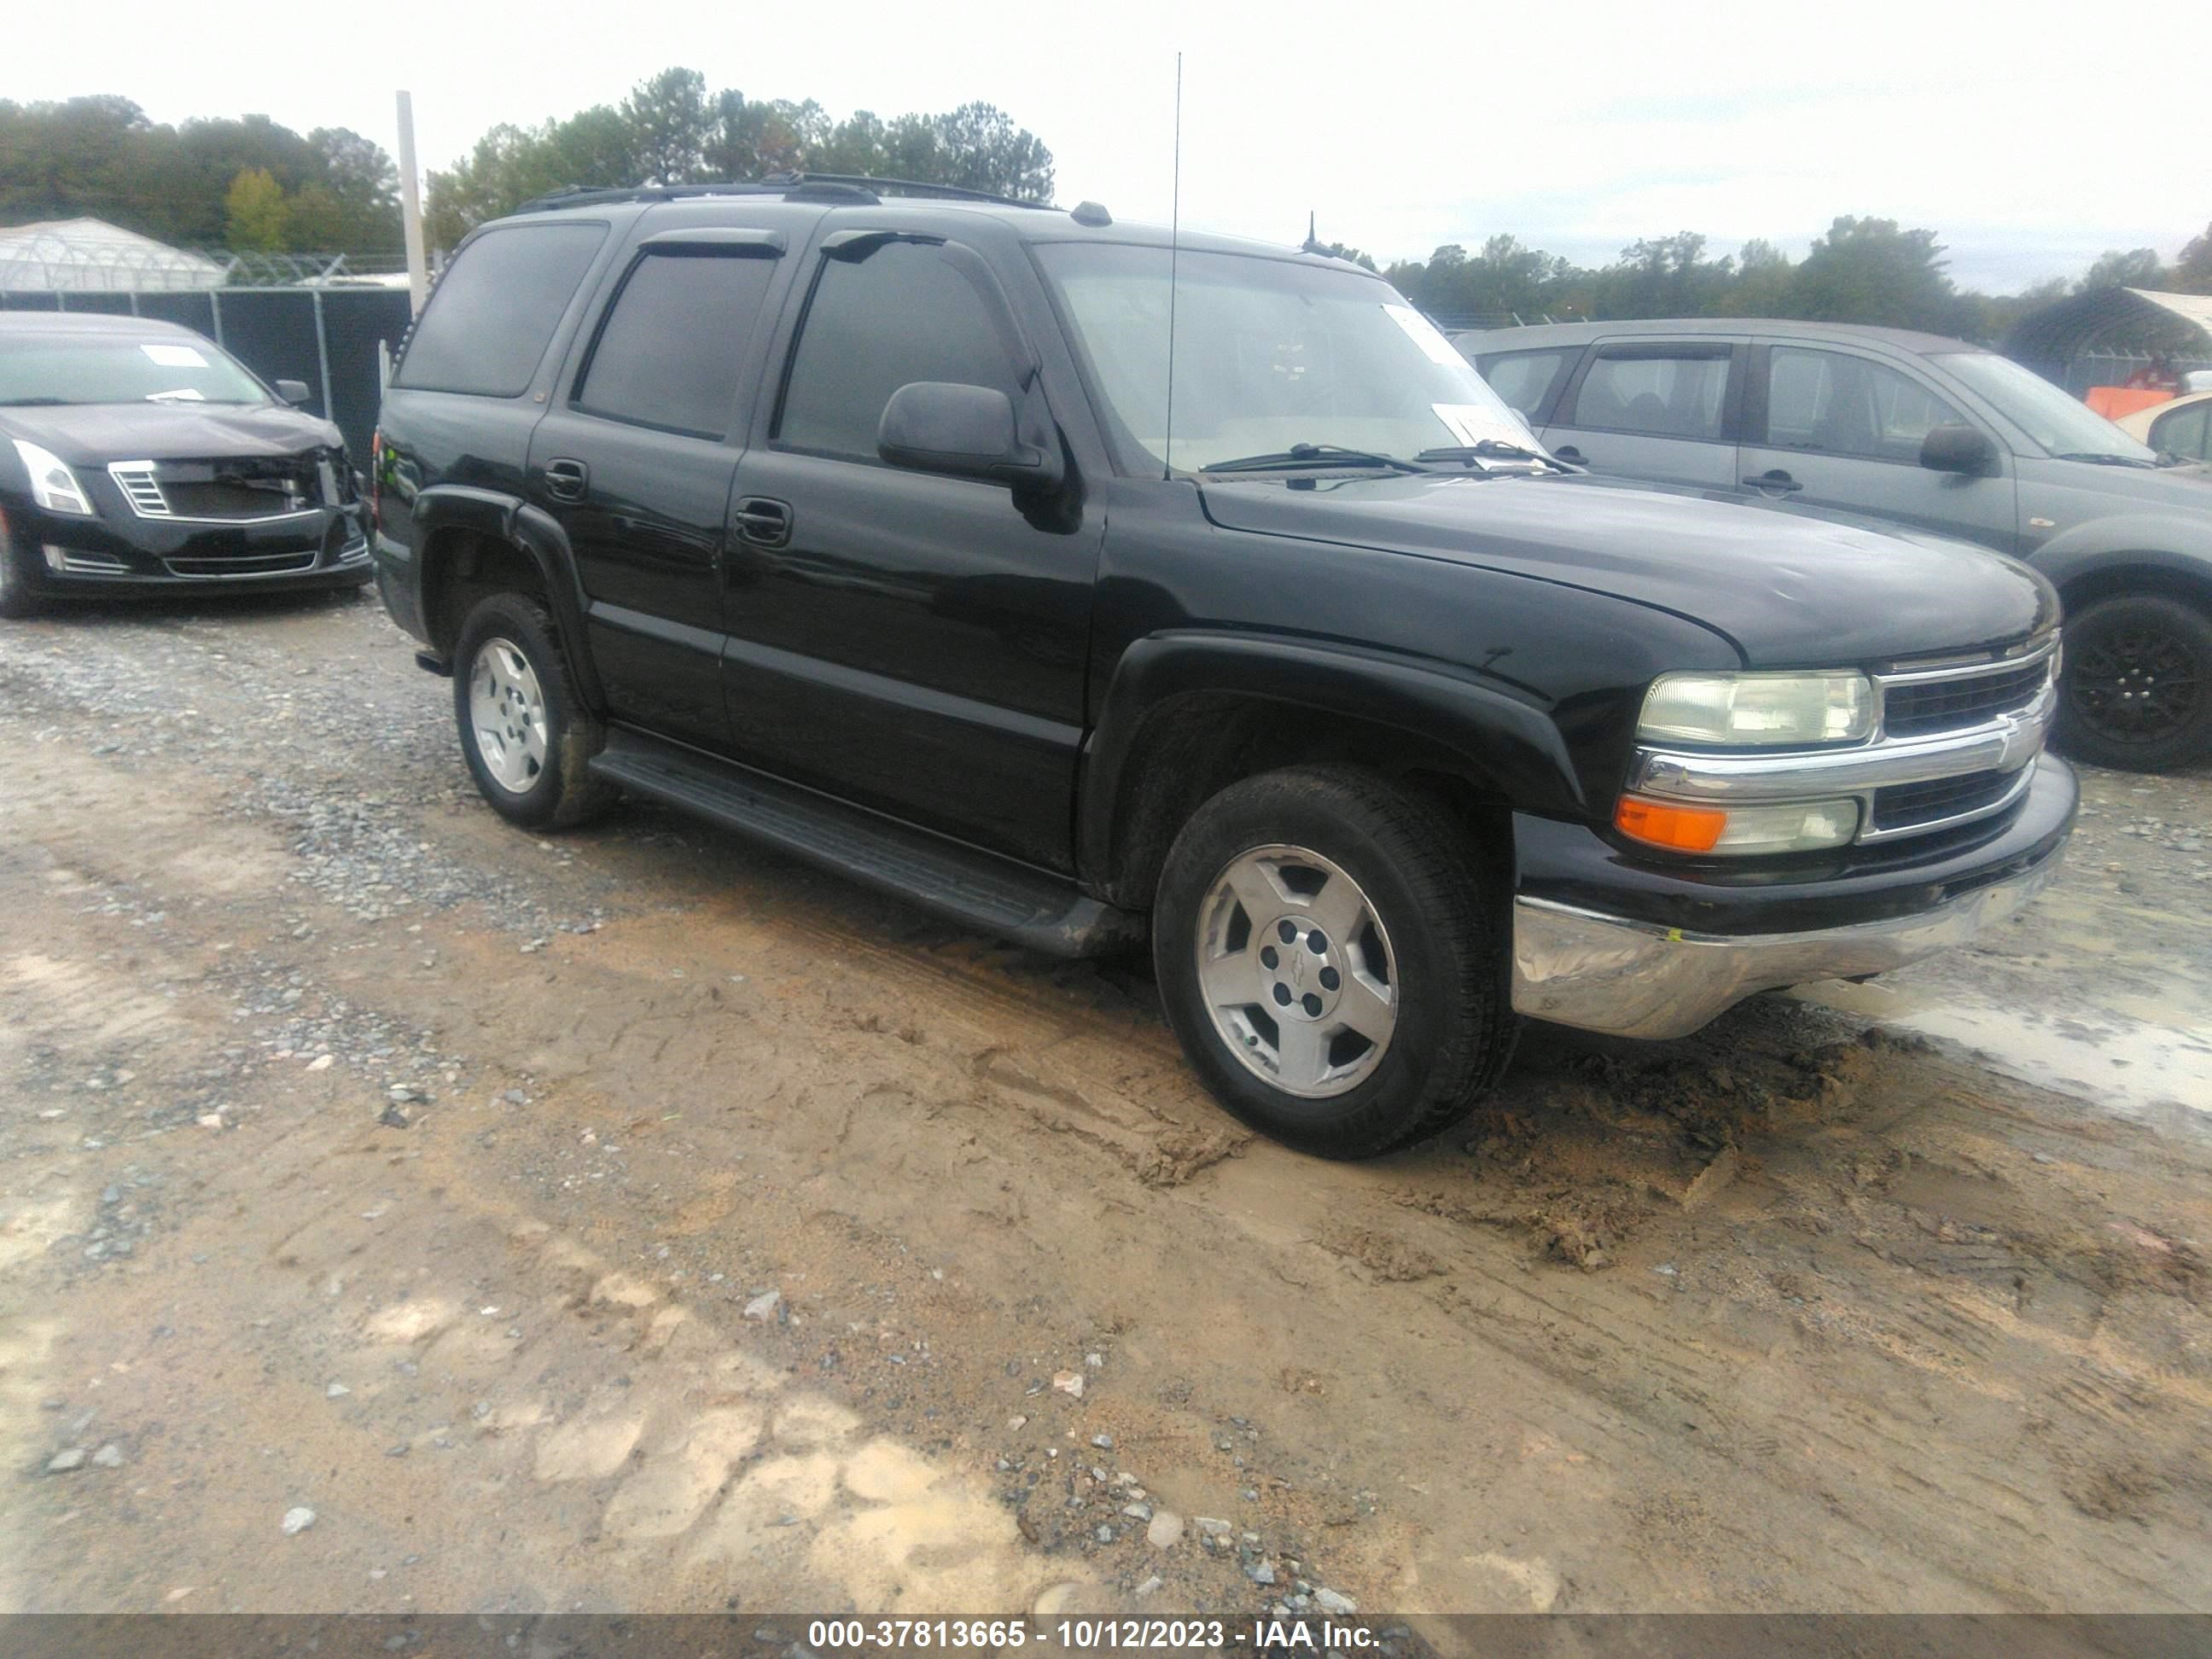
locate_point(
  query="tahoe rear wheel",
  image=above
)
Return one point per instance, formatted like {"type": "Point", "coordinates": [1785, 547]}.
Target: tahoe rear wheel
{"type": "Point", "coordinates": [527, 737]}
{"type": "Point", "coordinates": [1333, 955]}
{"type": "Point", "coordinates": [2138, 684]}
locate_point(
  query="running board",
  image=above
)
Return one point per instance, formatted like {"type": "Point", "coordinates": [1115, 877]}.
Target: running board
{"type": "Point", "coordinates": [977, 889]}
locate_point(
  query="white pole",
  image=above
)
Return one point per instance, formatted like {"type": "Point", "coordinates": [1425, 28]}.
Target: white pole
{"type": "Point", "coordinates": [410, 207]}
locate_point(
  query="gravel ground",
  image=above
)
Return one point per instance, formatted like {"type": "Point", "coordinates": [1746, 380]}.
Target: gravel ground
{"type": "Point", "coordinates": [635, 1219]}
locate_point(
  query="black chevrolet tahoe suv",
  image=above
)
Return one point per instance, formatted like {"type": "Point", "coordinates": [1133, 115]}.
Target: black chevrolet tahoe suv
{"type": "Point", "coordinates": [875, 526]}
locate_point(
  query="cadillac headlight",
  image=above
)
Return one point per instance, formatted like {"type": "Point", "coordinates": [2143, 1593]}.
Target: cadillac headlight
{"type": "Point", "coordinates": [1775, 711]}
{"type": "Point", "coordinates": [53, 486]}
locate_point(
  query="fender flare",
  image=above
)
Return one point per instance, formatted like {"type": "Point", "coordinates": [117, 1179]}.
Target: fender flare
{"type": "Point", "coordinates": [1508, 741]}
{"type": "Point", "coordinates": [2166, 542]}
{"type": "Point", "coordinates": [532, 531]}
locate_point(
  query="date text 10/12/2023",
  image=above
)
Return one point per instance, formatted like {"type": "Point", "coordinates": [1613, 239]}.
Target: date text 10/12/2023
{"type": "Point", "coordinates": [1093, 1635]}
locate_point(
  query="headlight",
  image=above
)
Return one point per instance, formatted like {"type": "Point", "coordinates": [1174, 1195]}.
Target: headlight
{"type": "Point", "coordinates": [53, 486]}
{"type": "Point", "coordinates": [1799, 827]}
{"type": "Point", "coordinates": [1774, 710]}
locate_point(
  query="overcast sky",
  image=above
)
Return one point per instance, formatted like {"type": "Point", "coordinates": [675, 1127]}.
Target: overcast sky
{"type": "Point", "coordinates": [2026, 134]}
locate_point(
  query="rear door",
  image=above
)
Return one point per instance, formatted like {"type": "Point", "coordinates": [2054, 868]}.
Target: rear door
{"type": "Point", "coordinates": [1666, 410]}
{"type": "Point", "coordinates": [1831, 425]}
{"type": "Point", "coordinates": [636, 459]}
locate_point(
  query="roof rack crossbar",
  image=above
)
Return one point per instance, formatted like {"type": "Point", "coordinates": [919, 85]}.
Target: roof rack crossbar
{"type": "Point", "coordinates": [857, 186]}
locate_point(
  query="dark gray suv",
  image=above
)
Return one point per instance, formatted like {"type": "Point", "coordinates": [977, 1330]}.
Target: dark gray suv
{"type": "Point", "coordinates": [1931, 433]}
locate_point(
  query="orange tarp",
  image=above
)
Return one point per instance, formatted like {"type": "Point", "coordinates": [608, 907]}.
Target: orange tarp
{"type": "Point", "coordinates": [2114, 401]}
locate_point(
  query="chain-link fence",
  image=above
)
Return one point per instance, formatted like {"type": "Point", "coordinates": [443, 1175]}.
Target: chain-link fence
{"type": "Point", "coordinates": [326, 337]}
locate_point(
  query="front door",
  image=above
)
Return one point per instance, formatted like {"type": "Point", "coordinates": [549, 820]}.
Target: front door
{"type": "Point", "coordinates": [913, 643]}
{"type": "Point", "coordinates": [635, 461]}
{"type": "Point", "coordinates": [1830, 427]}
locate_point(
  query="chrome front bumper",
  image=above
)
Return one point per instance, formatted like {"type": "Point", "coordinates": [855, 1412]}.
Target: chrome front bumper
{"type": "Point", "coordinates": [1577, 967]}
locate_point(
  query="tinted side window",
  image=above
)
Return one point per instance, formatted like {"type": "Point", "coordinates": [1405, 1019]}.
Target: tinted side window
{"type": "Point", "coordinates": [1523, 378]}
{"type": "Point", "coordinates": [495, 308]}
{"type": "Point", "coordinates": [670, 351]}
{"type": "Point", "coordinates": [1849, 406]}
{"type": "Point", "coordinates": [2185, 431]}
{"type": "Point", "coordinates": [1670, 397]}
{"type": "Point", "coordinates": [900, 314]}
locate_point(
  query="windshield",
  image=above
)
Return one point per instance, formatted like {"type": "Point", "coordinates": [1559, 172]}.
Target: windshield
{"type": "Point", "coordinates": [2040, 409]}
{"type": "Point", "coordinates": [1269, 354]}
{"type": "Point", "coordinates": [111, 369]}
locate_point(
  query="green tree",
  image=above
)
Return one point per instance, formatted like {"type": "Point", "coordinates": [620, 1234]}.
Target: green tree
{"type": "Point", "coordinates": [255, 211]}
{"type": "Point", "coordinates": [2192, 271]}
{"type": "Point", "coordinates": [2136, 268]}
{"type": "Point", "coordinates": [672, 121]}
{"type": "Point", "coordinates": [1869, 271]}
{"type": "Point", "coordinates": [983, 150]}
{"type": "Point", "coordinates": [1764, 275]}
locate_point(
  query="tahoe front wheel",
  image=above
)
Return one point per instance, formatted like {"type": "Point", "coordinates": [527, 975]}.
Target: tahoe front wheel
{"type": "Point", "coordinates": [1332, 950]}
{"type": "Point", "coordinates": [526, 736]}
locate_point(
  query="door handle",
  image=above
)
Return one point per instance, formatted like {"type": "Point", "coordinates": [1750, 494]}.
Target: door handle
{"type": "Point", "coordinates": [1776, 480]}
{"type": "Point", "coordinates": [764, 522]}
{"type": "Point", "coordinates": [567, 481]}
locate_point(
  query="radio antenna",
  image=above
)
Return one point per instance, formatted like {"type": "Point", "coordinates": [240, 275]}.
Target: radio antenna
{"type": "Point", "coordinates": [1175, 239]}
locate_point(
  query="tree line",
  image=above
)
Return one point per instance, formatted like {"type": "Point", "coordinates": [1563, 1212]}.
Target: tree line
{"type": "Point", "coordinates": [251, 182]}
{"type": "Point", "coordinates": [672, 130]}
{"type": "Point", "coordinates": [1862, 270]}
{"type": "Point", "coordinates": [248, 183]}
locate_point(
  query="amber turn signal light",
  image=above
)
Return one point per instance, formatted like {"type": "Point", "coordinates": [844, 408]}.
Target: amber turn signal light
{"type": "Point", "coordinates": [1662, 824]}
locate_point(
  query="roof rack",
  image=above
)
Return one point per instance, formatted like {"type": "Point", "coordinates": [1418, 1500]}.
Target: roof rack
{"type": "Point", "coordinates": [854, 188]}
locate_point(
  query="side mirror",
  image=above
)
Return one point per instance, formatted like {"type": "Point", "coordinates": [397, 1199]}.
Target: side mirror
{"type": "Point", "coordinates": [1965, 450]}
{"type": "Point", "coordinates": [963, 432]}
{"type": "Point", "coordinates": [293, 393]}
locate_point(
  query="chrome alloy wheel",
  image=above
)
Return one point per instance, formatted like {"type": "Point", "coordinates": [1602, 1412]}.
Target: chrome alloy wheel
{"type": "Point", "coordinates": [506, 712]}
{"type": "Point", "coordinates": [1296, 968]}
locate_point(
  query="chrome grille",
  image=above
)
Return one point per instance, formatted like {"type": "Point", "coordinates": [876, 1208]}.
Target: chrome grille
{"type": "Point", "coordinates": [141, 489]}
{"type": "Point", "coordinates": [1925, 701]}
{"type": "Point", "coordinates": [251, 564]}
{"type": "Point", "coordinates": [1919, 808]}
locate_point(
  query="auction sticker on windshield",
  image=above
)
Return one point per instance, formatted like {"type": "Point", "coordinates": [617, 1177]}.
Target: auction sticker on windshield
{"type": "Point", "coordinates": [175, 356]}
{"type": "Point", "coordinates": [1425, 334]}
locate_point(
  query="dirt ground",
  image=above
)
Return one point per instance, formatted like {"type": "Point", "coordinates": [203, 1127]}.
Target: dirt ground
{"type": "Point", "coordinates": [399, 1212]}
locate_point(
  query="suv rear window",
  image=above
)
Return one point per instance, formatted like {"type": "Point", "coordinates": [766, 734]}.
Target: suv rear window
{"type": "Point", "coordinates": [669, 352]}
{"type": "Point", "coordinates": [495, 309]}
{"type": "Point", "coordinates": [1666, 392]}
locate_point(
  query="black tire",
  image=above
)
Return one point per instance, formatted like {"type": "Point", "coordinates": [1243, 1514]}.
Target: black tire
{"type": "Point", "coordinates": [2136, 695]}
{"type": "Point", "coordinates": [17, 597]}
{"type": "Point", "coordinates": [557, 789]}
{"type": "Point", "coordinates": [1426, 881]}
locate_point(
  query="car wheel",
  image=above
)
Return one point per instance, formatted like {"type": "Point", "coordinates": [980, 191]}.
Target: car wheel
{"type": "Point", "coordinates": [527, 737]}
{"type": "Point", "coordinates": [2137, 690]}
{"type": "Point", "coordinates": [1331, 950]}
{"type": "Point", "coordinates": [17, 597]}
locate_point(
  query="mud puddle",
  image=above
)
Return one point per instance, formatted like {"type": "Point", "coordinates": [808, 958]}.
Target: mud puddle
{"type": "Point", "coordinates": [2146, 1071]}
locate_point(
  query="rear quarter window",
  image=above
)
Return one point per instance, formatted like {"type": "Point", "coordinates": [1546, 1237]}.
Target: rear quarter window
{"type": "Point", "coordinates": [1524, 379]}
{"type": "Point", "coordinates": [495, 308]}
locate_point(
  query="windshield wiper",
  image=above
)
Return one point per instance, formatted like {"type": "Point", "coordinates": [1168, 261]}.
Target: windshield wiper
{"type": "Point", "coordinates": [35, 403]}
{"type": "Point", "coordinates": [2099, 458]}
{"type": "Point", "coordinates": [1304, 455]}
{"type": "Point", "coordinates": [1490, 449]}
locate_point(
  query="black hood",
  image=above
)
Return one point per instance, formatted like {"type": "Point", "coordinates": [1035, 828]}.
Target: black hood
{"type": "Point", "coordinates": [1789, 589]}
{"type": "Point", "coordinates": [92, 434]}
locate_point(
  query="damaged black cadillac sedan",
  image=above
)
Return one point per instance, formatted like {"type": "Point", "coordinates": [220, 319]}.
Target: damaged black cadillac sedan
{"type": "Point", "coordinates": [136, 456]}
